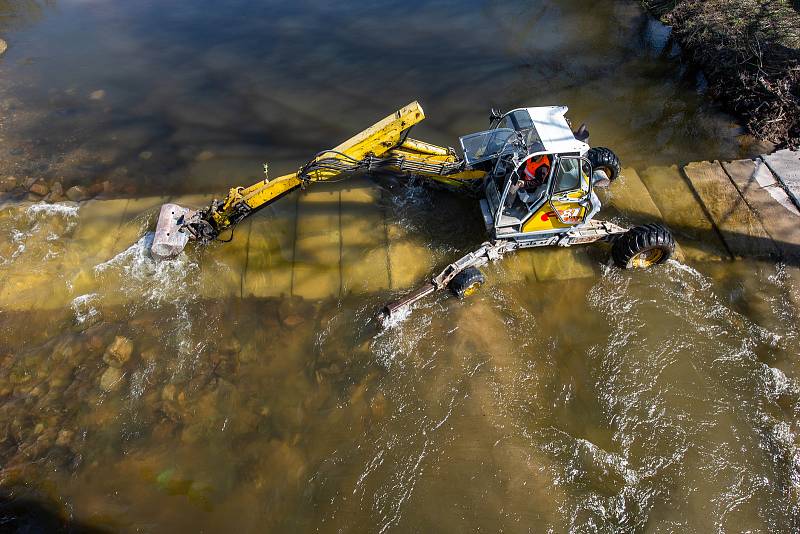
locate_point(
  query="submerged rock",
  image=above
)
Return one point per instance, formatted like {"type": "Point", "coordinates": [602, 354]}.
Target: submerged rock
{"type": "Point", "coordinates": [56, 192]}
{"type": "Point", "coordinates": [118, 352]}
{"type": "Point", "coordinates": [64, 437]}
{"type": "Point", "coordinates": [77, 193]}
{"type": "Point", "coordinates": [39, 188]}
{"type": "Point", "coordinates": [111, 379]}
{"type": "Point", "coordinates": [7, 183]}
{"type": "Point", "coordinates": [293, 311]}
{"type": "Point", "coordinates": [3, 47]}
{"type": "Point", "coordinates": [169, 392]}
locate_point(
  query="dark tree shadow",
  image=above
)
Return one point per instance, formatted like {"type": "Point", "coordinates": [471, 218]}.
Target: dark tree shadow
{"type": "Point", "coordinates": [29, 514]}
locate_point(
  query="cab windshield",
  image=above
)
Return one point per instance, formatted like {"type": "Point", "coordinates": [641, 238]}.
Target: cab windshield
{"type": "Point", "coordinates": [486, 145]}
{"type": "Point", "coordinates": [520, 120]}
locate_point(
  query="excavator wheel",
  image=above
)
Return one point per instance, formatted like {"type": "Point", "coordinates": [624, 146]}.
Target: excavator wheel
{"type": "Point", "coordinates": [466, 282]}
{"type": "Point", "coordinates": [605, 160]}
{"type": "Point", "coordinates": [643, 246]}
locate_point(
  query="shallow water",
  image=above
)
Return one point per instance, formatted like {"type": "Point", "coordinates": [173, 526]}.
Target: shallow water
{"type": "Point", "coordinates": [566, 396]}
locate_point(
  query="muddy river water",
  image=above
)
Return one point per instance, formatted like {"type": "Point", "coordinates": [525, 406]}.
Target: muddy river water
{"type": "Point", "coordinates": [245, 387]}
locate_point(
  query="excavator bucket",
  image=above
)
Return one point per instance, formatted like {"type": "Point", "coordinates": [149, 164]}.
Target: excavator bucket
{"type": "Point", "coordinates": [169, 240]}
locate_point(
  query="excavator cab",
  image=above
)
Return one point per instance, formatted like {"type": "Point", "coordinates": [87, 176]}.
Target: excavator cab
{"type": "Point", "coordinates": [543, 187]}
{"type": "Point", "coordinates": [564, 198]}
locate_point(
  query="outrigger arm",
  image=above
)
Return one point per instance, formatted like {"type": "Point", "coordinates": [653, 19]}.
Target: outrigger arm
{"type": "Point", "coordinates": [489, 251]}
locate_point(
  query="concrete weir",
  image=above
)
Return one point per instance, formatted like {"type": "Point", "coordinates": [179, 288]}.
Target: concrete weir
{"type": "Point", "coordinates": [336, 240]}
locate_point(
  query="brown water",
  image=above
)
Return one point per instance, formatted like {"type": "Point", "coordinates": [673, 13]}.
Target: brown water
{"type": "Point", "coordinates": [567, 396]}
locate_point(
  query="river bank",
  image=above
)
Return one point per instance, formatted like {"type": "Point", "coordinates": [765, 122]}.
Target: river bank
{"type": "Point", "coordinates": [749, 51]}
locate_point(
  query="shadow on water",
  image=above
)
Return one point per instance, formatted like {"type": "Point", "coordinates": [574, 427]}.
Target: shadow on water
{"type": "Point", "coordinates": [23, 512]}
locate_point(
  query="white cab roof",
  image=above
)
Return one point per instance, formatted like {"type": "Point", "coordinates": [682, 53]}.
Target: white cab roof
{"type": "Point", "coordinates": [554, 131]}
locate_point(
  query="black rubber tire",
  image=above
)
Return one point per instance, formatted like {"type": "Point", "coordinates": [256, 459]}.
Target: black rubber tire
{"type": "Point", "coordinates": [649, 237]}
{"type": "Point", "coordinates": [605, 160]}
{"type": "Point", "coordinates": [466, 279]}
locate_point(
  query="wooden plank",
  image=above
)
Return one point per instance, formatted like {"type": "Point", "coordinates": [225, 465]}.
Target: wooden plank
{"type": "Point", "coordinates": [317, 255]}
{"type": "Point", "coordinates": [365, 266]}
{"type": "Point", "coordinates": [740, 227]}
{"type": "Point", "coordinates": [410, 260]}
{"type": "Point", "coordinates": [683, 214]}
{"type": "Point", "coordinates": [785, 165]}
{"type": "Point", "coordinates": [765, 196]}
{"type": "Point", "coordinates": [271, 252]}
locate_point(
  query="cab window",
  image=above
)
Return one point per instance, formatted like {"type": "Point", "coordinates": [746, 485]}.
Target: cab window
{"type": "Point", "coordinates": [568, 175]}
{"type": "Point", "coordinates": [518, 120]}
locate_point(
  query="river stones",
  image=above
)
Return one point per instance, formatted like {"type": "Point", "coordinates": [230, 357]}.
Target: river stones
{"type": "Point", "coordinates": [66, 349]}
{"type": "Point", "coordinates": [111, 379]}
{"type": "Point", "coordinates": [39, 188]}
{"type": "Point", "coordinates": [118, 352]}
{"type": "Point", "coordinates": [77, 193]}
{"type": "Point", "coordinates": [294, 311]}
{"type": "Point", "coordinates": [7, 183]}
{"type": "Point", "coordinates": [64, 438]}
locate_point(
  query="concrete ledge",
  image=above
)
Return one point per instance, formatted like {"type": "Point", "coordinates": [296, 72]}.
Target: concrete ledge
{"type": "Point", "coordinates": [741, 229]}
{"type": "Point", "coordinates": [785, 165]}
{"type": "Point", "coordinates": [684, 214]}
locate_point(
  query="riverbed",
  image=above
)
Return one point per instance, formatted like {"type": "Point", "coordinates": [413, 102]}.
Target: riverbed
{"type": "Point", "coordinates": [246, 386]}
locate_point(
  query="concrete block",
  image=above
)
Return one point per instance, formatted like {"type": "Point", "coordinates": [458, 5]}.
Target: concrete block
{"type": "Point", "coordinates": [683, 214]}
{"type": "Point", "coordinates": [96, 237]}
{"type": "Point", "coordinates": [221, 264]}
{"type": "Point", "coordinates": [740, 228]}
{"type": "Point", "coordinates": [30, 289]}
{"type": "Point", "coordinates": [765, 196]}
{"type": "Point", "coordinates": [629, 199]}
{"type": "Point", "coordinates": [140, 217]}
{"type": "Point", "coordinates": [785, 165]}
{"type": "Point", "coordinates": [516, 267]}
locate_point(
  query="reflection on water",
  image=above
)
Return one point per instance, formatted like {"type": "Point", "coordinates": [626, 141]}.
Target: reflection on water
{"type": "Point", "coordinates": [190, 96]}
{"type": "Point", "coordinates": [144, 397]}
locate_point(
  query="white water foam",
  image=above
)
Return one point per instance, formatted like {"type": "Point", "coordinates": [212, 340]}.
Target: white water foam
{"type": "Point", "coordinates": [156, 281]}
{"type": "Point", "coordinates": [84, 309]}
{"type": "Point", "coordinates": [65, 210]}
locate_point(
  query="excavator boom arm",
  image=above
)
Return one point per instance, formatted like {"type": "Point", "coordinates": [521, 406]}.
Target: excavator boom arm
{"type": "Point", "coordinates": [384, 145]}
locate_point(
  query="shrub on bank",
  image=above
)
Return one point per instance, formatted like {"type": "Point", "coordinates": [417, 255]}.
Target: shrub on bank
{"type": "Point", "coordinates": [749, 51]}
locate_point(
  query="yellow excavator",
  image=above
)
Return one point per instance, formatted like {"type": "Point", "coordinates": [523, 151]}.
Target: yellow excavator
{"type": "Point", "coordinates": [534, 174]}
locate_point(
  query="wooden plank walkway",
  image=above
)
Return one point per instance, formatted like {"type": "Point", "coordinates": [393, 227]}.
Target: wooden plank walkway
{"type": "Point", "coordinates": [345, 244]}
